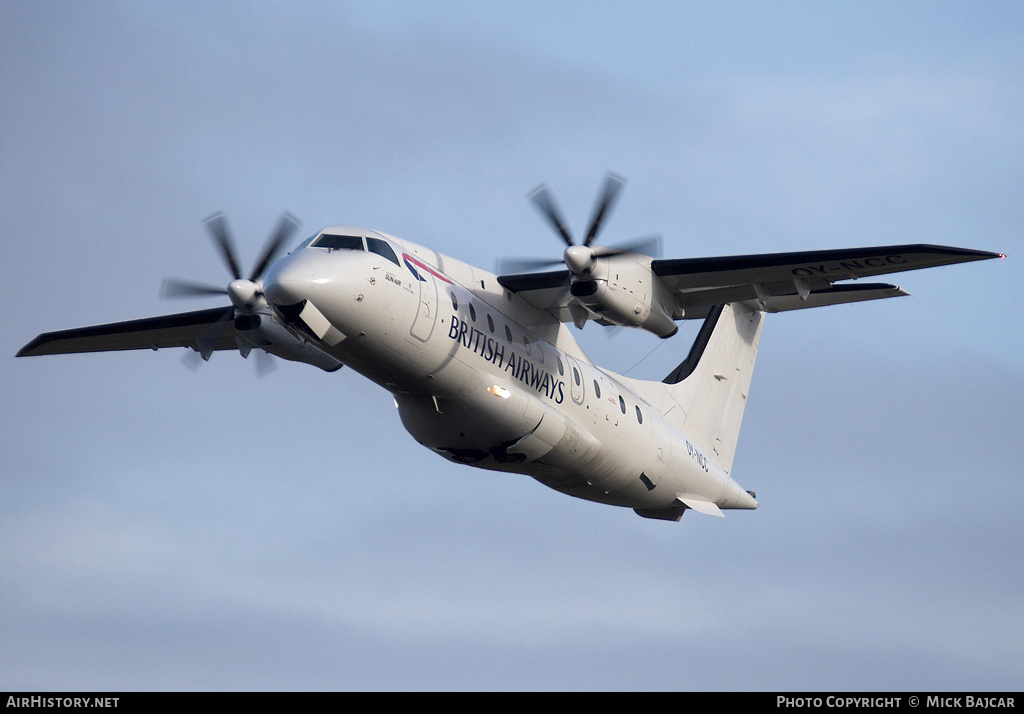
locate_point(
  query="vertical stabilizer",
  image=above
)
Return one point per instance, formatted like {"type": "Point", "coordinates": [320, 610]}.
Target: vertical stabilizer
{"type": "Point", "coordinates": [704, 397]}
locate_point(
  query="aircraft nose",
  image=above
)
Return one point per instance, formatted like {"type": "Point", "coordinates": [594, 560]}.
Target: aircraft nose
{"type": "Point", "coordinates": [289, 281]}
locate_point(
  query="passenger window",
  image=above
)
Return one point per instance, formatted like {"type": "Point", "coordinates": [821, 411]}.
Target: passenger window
{"type": "Point", "coordinates": [639, 416]}
{"type": "Point", "coordinates": [561, 369]}
{"type": "Point", "coordinates": [455, 302]}
{"type": "Point", "coordinates": [622, 404]}
{"type": "Point", "coordinates": [597, 389]}
{"type": "Point", "coordinates": [508, 334]}
{"type": "Point", "coordinates": [383, 249]}
{"type": "Point", "coordinates": [472, 312]}
{"type": "Point", "coordinates": [490, 324]}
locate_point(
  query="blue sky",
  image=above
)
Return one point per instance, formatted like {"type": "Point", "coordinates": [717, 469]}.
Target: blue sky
{"type": "Point", "coordinates": [163, 528]}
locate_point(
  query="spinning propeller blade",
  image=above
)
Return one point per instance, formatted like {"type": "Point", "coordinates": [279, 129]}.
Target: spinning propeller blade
{"type": "Point", "coordinates": [218, 227]}
{"type": "Point", "coordinates": [580, 258]}
{"type": "Point", "coordinates": [225, 245]}
{"type": "Point", "coordinates": [245, 293]}
{"type": "Point", "coordinates": [173, 288]}
{"type": "Point", "coordinates": [612, 187]}
{"type": "Point", "coordinates": [509, 266]}
{"type": "Point", "coordinates": [545, 202]}
{"type": "Point", "coordinates": [286, 227]}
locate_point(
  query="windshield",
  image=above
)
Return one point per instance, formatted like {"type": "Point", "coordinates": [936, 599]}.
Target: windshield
{"type": "Point", "coordinates": [337, 242]}
{"type": "Point", "coordinates": [381, 248]}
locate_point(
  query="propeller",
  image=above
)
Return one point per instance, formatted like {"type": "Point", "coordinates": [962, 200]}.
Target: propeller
{"type": "Point", "coordinates": [243, 292]}
{"type": "Point", "coordinates": [580, 258]}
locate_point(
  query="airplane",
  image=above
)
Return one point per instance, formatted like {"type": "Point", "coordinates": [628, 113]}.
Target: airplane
{"type": "Point", "coordinates": [483, 367]}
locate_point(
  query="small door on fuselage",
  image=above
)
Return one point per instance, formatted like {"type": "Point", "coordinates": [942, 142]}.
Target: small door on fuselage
{"type": "Point", "coordinates": [426, 315]}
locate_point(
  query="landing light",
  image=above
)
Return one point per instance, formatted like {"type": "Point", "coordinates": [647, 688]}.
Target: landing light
{"type": "Point", "coordinates": [499, 391]}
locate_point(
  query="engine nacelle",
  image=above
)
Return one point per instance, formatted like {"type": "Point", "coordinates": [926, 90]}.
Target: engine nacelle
{"type": "Point", "coordinates": [263, 331]}
{"type": "Point", "coordinates": [623, 291]}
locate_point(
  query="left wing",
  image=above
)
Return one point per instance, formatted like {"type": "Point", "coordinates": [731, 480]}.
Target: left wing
{"type": "Point", "coordinates": [688, 274]}
{"type": "Point", "coordinates": [777, 281]}
{"type": "Point", "coordinates": [202, 330]}
{"type": "Point", "coordinates": [790, 281]}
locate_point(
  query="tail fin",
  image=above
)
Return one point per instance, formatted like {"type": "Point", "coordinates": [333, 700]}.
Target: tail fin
{"type": "Point", "coordinates": [704, 397]}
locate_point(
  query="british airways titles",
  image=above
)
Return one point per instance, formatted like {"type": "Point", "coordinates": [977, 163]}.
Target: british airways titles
{"type": "Point", "coordinates": [521, 368]}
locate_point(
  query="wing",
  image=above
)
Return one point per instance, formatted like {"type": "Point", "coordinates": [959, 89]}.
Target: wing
{"type": "Point", "coordinates": [829, 265]}
{"type": "Point", "coordinates": [778, 281]}
{"type": "Point", "coordinates": [202, 330]}
{"type": "Point", "coordinates": [546, 291]}
{"type": "Point", "coordinates": [786, 281]}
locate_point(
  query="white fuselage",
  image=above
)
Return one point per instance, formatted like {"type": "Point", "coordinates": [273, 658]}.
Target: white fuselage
{"type": "Point", "coordinates": [483, 378]}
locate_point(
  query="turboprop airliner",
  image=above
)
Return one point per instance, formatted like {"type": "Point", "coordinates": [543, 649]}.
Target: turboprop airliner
{"type": "Point", "coordinates": [484, 368]}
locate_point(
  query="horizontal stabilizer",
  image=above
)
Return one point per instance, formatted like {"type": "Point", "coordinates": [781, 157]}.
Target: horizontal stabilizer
{"type": "Point", "coordinates": [701, 506]}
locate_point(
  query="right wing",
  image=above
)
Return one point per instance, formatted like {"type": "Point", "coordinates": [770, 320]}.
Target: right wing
{"type": "Point", "coordinates": [202, 330]}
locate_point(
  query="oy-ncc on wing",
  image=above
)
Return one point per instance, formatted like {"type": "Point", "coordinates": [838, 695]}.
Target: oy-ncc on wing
{"type": "Point", "coordinates": [484, 369]}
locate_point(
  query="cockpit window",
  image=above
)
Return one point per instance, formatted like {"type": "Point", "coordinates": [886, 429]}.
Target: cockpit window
{"type": "Point", "coordinates": [333, 242]}
{"type": "Point", "coordinates": [381, 247]}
